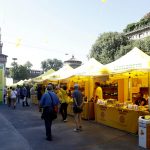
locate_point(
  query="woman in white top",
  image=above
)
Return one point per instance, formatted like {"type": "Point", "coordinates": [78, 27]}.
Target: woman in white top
{"type": "Point", "coordinates": [13, 97]}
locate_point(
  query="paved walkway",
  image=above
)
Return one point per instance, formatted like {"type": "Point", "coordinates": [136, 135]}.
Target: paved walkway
{"type": "Point", "coordinates": [22, 129]}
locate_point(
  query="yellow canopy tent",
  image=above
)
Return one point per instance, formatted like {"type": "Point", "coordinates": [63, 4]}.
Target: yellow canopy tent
{"type": "Point", "coordinates": [135, 64]}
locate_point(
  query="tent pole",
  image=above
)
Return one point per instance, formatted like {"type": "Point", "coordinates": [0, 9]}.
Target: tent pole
{"type": "Point", "coordinates": [88, 96]}
{"type": "Point", "coordinates": [148, 85]}
{"type": "Point", "coordinates": [129, 88]}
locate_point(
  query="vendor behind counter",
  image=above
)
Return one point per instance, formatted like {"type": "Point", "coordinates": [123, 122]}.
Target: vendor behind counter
{"type": "Point", "coordinates": [98, 92]}
{"type": "Point", "coordinates": [141, 101]}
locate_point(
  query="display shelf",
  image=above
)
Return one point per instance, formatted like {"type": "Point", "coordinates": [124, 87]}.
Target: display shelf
{"type": "Point", "coordinates": [143, 90]}
{"type": "Point", "coordinates": [110, 91]}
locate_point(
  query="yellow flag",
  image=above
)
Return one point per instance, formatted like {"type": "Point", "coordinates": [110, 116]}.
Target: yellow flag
{"type": "Point", "coordinates": [103, 1]}
{"type": "Point", "coordinates": [18, 42]}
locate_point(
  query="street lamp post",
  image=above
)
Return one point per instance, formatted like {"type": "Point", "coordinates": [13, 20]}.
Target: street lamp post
{"type": "Point", "coordinates": [14, 59]}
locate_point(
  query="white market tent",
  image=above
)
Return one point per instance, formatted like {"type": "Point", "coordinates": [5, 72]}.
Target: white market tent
{"type": "Point", "coordinates": [90, 68]}
{"type": "Point", "coordinates": [18, 83]}
{"type": "Point", "coordinates": [84, 75]}
{"type": "Point", "coordinates": [62, 73]}
{"type": "Point", "coordinates": [133, 60]}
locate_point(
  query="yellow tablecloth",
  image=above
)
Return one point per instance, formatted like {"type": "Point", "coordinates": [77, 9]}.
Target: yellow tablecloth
{"type": "Point", "coordinates": [126, 120]}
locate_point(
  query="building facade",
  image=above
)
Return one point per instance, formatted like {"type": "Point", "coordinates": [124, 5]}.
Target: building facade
{"type": "Point", "coordinates": [3, 58]}
{"type": "Point", "coordinates": [139, 33]}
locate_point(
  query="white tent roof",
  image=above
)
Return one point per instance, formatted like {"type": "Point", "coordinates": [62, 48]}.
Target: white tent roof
{"type": "Point", "coordinates": [133, 60]}
{"type": "Point", "coordinates": [43, 76]}
{"type": "Point", "coordinates": [62, 73]}
{"type": "Point", "coordinates": [90, 68]}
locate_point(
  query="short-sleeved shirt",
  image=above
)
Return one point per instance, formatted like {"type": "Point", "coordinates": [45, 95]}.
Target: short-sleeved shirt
{"type": "Point", "coordinates": [99, 93]}
{"type": "Point", "coordinates": [49, 99]}
{"type": "Point", "coordinates": [78, 96]}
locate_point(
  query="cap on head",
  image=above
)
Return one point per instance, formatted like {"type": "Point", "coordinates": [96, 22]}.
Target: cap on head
{"type": "Point", "coordinates": [76, 86]}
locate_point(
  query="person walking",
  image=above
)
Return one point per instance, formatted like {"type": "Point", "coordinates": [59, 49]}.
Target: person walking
{"type": "Point", "coordinates": [64, 103]}
{"type": "Point", "coordinates": [13, 97]}
{"type": "Point", "coordinates": [39, 95]}
{"type": "Point", "coordinates": [18, 94]}
{"type": "Point", "coordinates": [77, 107]}
{"type": "Point", "coordinates": [9, 96]}
{"type": "Point", "coordinates": [49, 102]}
{"type": "Point", "coordinates": [23, 95]}
{"type": "Point", "coordinates": [32, 93]}
{"type": "Point", "coordinates": [5, 95]}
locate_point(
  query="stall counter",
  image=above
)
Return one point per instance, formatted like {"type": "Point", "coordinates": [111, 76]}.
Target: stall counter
{"type": "Point", "coordinates": [122, 119]}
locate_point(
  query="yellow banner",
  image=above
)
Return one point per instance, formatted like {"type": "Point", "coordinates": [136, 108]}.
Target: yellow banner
{"type": "Point", "coordinates": [1, 82]}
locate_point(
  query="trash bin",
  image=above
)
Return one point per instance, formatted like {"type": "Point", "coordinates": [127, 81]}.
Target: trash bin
{"type": "Point", "coordinates": [144, 132]}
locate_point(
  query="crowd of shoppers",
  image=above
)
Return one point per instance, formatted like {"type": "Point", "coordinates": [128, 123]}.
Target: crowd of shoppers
{"type": "Point", "coordinates": [49, 99]}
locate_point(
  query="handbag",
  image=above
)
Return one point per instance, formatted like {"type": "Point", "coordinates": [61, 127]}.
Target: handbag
{"type": "Point", "coordinates": [77, 109]}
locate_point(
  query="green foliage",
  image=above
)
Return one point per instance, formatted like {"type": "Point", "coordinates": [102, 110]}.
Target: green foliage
{"type": "Point", "coordinates": [111, 46]}
{"type": "Point", "coordinates": [107, 46]}
{"type": "Point", "coordinates": [143, 44]}
{"type": "Point", "coordinates": [54, 64]}
{"type": "Point", "coordinates": [130, 27]}
{"type": "Point", "coordinates": [123, 50]}
{"type": "Point", "coordinates": [140, 24]}
{"type": "Point", "coordinates": [28, 64]}
{"type": "Point", "coordinates": [19, 72]}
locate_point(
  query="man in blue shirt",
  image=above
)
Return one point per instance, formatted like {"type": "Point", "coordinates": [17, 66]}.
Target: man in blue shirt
{"type": "Point", "coordinates": [49, 102]}
{"type": "Point", "coordinates": [77, 107]}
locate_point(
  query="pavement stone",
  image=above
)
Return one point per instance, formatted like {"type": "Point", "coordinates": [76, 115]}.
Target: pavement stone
{"type": "Point", "coordinates": [23, 129]}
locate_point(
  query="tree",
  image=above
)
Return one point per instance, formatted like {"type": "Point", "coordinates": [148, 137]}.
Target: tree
{"type": "Point", "coordinates": [143, 44]}
{"type": "Point", "coordinates": [107, 46]}
{"type": "Point", "coordinates": [20, 72]}
{"type": "Point", "coordinates": [28, 64]}
{"type": "Point", "coordinates": [51, 64]}
{"type": "Point", "coordinates": [123, 50]}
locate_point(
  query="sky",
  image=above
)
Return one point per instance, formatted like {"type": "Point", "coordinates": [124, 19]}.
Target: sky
{"type": "Point", "coordinates": [37, 30]}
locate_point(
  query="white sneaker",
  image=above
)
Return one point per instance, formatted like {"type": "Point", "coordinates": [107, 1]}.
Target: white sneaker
{"type": "Point", "coordinates": [76, 130]}
{"type": "Point", "coordinates": [65, 120]}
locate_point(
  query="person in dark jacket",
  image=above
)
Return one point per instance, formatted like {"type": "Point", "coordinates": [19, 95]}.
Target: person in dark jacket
{"type": "Point", "coordinates": [23, 95]}
{"type": "Point", "coordinates": [39, 95]}
{"type": "Point", "coordinates": [48, 101]}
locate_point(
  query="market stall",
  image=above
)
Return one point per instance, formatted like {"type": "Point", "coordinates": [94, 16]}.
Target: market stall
{"type": "Point", "coordinates": [84, 76]}
{"type": "Point", "coordinates": [128, 77]}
